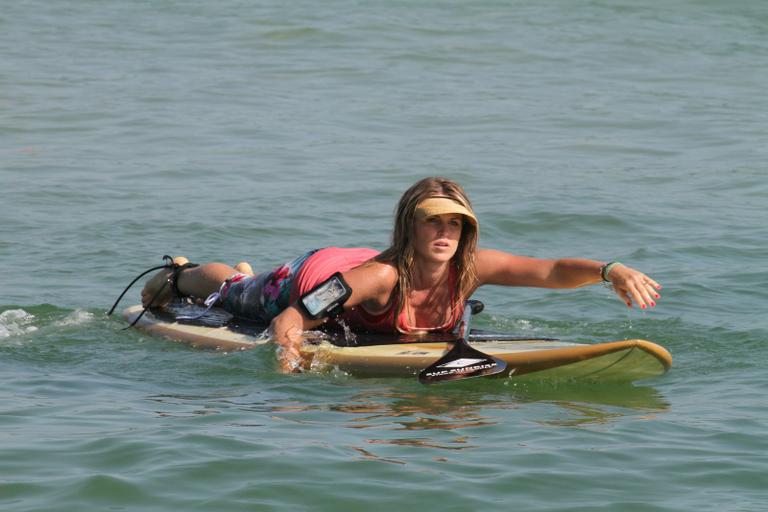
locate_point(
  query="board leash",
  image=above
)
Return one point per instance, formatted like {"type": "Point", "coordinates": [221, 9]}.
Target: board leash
{"type": "Point", "coordinates": [169, 264]}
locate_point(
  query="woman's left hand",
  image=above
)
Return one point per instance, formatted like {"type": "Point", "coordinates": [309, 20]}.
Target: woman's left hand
{"type": "Point", "coordinates": [633, 286]}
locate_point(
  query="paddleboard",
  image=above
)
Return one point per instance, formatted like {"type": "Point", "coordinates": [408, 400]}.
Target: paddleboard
{"type": "Point", "coordinates": [377, 355]}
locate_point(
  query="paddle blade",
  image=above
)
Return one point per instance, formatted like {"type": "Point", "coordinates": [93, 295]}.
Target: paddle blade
{"type": "Point", "coordinates": [461, 362]}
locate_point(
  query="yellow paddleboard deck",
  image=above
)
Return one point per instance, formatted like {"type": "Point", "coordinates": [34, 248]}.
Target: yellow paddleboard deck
{"type": "Point", "coordinates": [406, 355]}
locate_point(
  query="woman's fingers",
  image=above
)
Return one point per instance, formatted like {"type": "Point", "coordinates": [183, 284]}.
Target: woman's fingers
{"type": "Point", "coordinates": [641, 296]}
{"type": "Point", "coordinates": [623, 295]}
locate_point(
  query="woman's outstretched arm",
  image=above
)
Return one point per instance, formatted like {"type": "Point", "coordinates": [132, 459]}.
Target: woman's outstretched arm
{"type": "Point", "coordinates": [501, 268]}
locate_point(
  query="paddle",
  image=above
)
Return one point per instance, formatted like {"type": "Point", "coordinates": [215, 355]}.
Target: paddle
{"type": "Point", "coordinates": [462, 361]}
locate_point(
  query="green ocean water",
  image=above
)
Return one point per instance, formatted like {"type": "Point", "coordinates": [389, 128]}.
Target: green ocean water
{"type": "Point", "coordinates": [235, 130]}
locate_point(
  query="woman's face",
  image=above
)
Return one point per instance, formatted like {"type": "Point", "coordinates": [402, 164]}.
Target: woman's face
{"type": "Point", "coordinates": [437, 237]}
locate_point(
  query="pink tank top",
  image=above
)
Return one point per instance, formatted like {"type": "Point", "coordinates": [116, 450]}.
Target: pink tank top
{"type": "Point", "coordinates": [325, 262]}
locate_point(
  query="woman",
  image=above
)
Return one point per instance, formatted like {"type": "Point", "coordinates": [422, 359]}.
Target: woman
{"type": "Point", "coordinates": [420, 283]}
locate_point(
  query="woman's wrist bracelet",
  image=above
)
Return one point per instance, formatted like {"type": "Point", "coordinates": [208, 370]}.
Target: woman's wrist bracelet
{"type": "Point", "coordinates": [605, 270]}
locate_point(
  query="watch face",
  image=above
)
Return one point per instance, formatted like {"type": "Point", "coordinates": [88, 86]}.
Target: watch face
{"type": "Point", "coordinates": [319, 300]}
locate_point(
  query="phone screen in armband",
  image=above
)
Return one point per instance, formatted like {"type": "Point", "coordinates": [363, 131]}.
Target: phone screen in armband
{"type": "Point", "coordinates": [327, 298]}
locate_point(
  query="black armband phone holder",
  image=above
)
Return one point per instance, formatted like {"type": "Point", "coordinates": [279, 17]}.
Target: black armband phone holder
{"type": "Point", "coordinates": [326, 299]}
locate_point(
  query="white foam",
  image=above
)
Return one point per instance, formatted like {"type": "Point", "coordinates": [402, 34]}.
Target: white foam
{"type": "Point", "coordinates": [77, 317]}
{"type": "Point", "coordinates": [14, 322]}
{"type": "Point", "coordinates": [523, 324]}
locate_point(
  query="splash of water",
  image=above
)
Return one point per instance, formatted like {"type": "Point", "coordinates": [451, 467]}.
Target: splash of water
{"type": "Point", "coordinates": [77, 317]}
{"type": "Point", "coordinates": [14, 322]}
{"type": "Point", "coordinates": [349, 336]}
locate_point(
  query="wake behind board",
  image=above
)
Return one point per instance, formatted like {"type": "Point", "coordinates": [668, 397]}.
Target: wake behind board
{"type": "Point", "coordinates": [376, 355]}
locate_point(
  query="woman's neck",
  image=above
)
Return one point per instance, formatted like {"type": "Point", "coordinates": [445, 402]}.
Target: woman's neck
{"type": "Point", "coordinates": [429, 304]}
{"type": "Point", "coordinates": [429, 274]}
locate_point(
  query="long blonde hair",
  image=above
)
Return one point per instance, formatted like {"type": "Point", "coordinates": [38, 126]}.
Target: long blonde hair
{"type": "Point", "coordinates": [401, 252]}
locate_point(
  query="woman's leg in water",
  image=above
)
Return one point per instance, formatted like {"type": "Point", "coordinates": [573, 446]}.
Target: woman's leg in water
{"type": "Point", "coordinates": [196, 282]}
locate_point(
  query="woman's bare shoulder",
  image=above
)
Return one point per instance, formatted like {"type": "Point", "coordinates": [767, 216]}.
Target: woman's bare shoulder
{"type": "Point", "coordinates": [381, 271]}
{"type": "Point", "coordinates": [372, 283]}
{"type": "Point", "coordinates": [373, 275]}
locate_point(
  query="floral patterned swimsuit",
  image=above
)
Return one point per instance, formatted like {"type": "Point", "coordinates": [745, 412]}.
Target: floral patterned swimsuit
{"type": "Point", "coordinates": [264, 296]}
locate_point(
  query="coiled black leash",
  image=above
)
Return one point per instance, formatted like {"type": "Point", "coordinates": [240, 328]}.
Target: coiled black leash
{"type": "Point", "coordinates": [169, 264]}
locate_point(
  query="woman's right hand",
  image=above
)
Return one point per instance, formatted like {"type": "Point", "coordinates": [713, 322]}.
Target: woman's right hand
{"type": "Point", "coordinates": [288, 350]}
{"type": "Point", "coordinates": [287, 331]}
